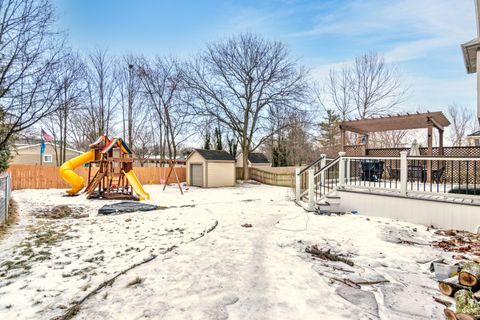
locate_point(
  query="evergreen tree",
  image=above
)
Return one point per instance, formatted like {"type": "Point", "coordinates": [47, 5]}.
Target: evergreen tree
{"type": "Point", "coordinates": [5, 153]}
{"type": "Point", "coordinates": [4, 159]}
{"type": "Point", "coordinates": [274, 157]}
{"type": "Point", "coordinates": [330, 131]}
{"type": "Point", "coordinates": [232, 146]}
{"type": "Point", "coordinates": [280, 154]}
{"type": "Point", "coordinates": [218, 138]}
{"type": "Point", "coordinates": [207, 141]}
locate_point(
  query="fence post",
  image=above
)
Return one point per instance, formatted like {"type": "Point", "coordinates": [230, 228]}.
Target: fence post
{"type": "Point", "coordinates": [297, 184]}
{"type": "Point", "coordinates": [403, 173]}
{"type": "Point", "coordinates": [341, 169]}
{"type": "Point", "coordinates": [311, 189]}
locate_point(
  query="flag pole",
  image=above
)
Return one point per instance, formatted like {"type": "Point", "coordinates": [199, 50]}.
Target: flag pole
{"type": "Point", "coordinates": [42, 147]}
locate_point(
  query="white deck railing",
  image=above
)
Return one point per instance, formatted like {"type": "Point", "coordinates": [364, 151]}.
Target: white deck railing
{"type": "Point", "coordinates": [455, 176]}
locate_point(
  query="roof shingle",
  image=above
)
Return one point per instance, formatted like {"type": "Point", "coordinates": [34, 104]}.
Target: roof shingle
{"type": "Point", "coordinates": [215, 155]}
{"type": "Point", "coordinates": [257, 157]}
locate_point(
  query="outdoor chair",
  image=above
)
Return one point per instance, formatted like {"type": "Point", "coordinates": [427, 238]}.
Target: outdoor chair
{"type": "Point", "coordinates": [372, 170]}
{"type": "Point", "coordinates": [393, 173]}
{"type": "Point", "coordinates": [438, 174]}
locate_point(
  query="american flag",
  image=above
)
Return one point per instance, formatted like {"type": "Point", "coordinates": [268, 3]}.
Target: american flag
{"type": "Point", "coordinates": [46, 137]}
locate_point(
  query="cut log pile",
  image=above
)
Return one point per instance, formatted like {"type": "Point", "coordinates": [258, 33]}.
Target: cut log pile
{"type": "Point", "coordinates": [464, 288]}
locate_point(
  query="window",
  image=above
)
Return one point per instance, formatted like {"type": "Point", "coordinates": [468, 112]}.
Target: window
{"type": "Point", "coordinates": [47, 158]}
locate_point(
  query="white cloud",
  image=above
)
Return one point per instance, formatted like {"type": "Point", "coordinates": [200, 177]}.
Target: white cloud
{"type": "Point", "coordinates": [422, 26]}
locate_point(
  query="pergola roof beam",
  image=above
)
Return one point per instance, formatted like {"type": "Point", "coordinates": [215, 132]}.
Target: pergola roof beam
{"type": "Point", "coordinates": [397, 122]}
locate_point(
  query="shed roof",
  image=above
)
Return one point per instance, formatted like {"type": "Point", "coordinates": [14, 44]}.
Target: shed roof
{"type": "Point", "coordinates": [257, 157]}
{"type": "Point", "coordinates": [474, 134]}
{"type": "Point", "coordinates": [397, 122]}
{"type": "Point", "coordinates": [215, 155]}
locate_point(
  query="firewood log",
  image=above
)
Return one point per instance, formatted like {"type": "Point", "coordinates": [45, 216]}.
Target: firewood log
{"type": "Point", "coordinates": [464, 316]}
{"type": "Point", "coordinates": [469, 274]}
{"type": "Point", "coordinates": [451, 285]}
{"type": "Point", "coordinates": [449, 314]}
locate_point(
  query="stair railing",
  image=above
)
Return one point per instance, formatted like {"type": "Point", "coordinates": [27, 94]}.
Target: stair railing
{"type": "Point", "coordinates": [319, 178]}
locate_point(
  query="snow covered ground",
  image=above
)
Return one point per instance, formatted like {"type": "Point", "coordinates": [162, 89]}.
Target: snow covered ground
{"type": "Point", "coordinates": [232, 272]}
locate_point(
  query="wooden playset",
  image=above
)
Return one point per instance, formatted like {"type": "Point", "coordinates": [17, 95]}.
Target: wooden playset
{"type": "Point", "coordinates": [113, 178]}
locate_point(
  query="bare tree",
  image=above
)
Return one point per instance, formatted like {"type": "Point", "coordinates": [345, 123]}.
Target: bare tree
{"type": "Point", "coordinates": [339, 88]}
{"type": "Point", "coordinates": [366, 88]}
{"type": "Point", "coordinates": [69, 81]}
{"type": "Point", "coordinates": [389, 139]}
{"type": "Point", "coordinates": [128, 84]}
{"type": "Point", "coordinates": [462, 121]}
{"type": "Point", "coordinates": [239, 80]}
{"type": "Point", "coordinates": [162, 85]}
{"type": "Point", "coordinates": [101, 89]}
{"type": "Point", "coordinates": [29, 53]}
{"type": "Point", "coordinates": [376, 87]}
{"type": "Point", "coordinates": [369, 87]}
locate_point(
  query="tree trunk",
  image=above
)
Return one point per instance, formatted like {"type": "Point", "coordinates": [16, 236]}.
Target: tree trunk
{"type": "Point", "coordinates": [246, 172]}
{"type": "Point", "coordinates": [469, 274]}
{"type": "Point", "coordinates": [64, 142]}
{"type": "Point", "coordinates": [449, 286]}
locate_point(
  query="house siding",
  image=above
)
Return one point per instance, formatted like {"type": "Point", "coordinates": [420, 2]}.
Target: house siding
{"type": "Point", "coordinates": [31, 155]}
{"type": "Point", "coordinates": [221, 174]}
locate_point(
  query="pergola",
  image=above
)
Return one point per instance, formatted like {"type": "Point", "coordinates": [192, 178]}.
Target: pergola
{"type": "Point", "coordinates": [426, 120]}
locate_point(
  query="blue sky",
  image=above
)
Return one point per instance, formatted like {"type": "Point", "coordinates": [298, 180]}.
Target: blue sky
{"type": "Point", "coordinates": [421, 37]}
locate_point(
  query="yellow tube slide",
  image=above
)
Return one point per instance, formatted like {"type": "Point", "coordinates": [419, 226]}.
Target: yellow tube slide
{"type": "Point", "coordinates": [136, 185]}
{"type": "Point", "coordinates": [73, 179]}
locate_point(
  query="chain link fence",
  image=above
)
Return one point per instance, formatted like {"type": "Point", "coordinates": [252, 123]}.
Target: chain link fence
{"type": "Point", "coordinates": [5, 193]}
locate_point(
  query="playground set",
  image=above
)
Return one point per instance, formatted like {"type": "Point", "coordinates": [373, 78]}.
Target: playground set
{"type": "Point", "coordinates": [114, 177]}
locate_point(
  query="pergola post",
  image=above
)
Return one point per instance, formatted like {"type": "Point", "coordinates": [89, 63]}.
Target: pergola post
{"type": "Point", "coordinates": [440, 142]}
{"type": "Point", "coordinates": [342, 138]}
{"type": "Point", "coordinates": [429, 149]}
{"type": "Point", "coordinates": [367, 138]}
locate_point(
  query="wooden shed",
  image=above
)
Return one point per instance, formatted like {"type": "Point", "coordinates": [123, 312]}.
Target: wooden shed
{"type": "Point", "coordinates": [210, 169]}
{"type": "Point", "coordinates": [255, 159]}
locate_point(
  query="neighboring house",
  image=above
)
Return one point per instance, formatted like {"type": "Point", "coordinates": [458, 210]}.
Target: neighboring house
{"type": "Point", "coordinates": [255, 159]}
{"type": "Point", "coordinates": [210, 168]}
{"type": "Point", "coordinates": [30, 154]}
{"type": "Point", "coordinates": [474, 139]}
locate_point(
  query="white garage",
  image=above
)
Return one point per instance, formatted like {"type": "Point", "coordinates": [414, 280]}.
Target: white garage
{"type": "Point", "coordinates": [210, 169]}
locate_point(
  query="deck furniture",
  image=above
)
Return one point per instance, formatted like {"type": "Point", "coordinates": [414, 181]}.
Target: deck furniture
{"type": "Point", "coordinates": [372, 170]}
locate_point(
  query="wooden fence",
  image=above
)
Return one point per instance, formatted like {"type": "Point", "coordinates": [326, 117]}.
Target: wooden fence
{"type": "Point", "coordinates": [239, 173]}
{"type": "Point", "coordinates": [46, 177]}
{"type": "Point", "coordinates": [276, 179]}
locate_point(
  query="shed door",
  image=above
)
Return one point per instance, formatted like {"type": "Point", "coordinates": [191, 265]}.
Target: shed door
{"type": "Point", "coordinates": [196, 175]}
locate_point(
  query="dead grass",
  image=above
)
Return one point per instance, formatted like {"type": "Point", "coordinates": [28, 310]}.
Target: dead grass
{"type": "Point", "coordinates": [12, 218]}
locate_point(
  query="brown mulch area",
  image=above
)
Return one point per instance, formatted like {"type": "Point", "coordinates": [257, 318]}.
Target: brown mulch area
{"type": "Point", "coordinates": [459, 241]}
